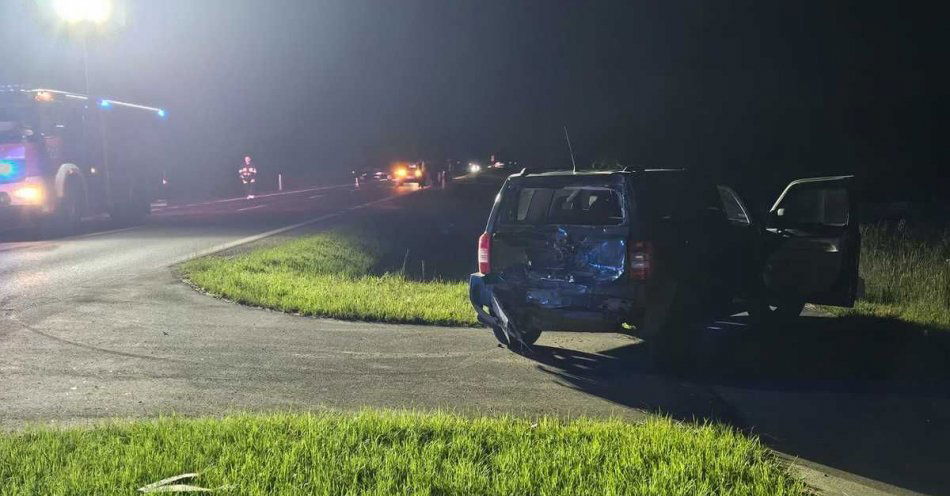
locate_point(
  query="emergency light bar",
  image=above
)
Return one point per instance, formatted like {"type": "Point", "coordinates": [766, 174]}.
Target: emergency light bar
{"type": "Point", "coordinates": [58, 92]}
{"type": "Point", "coordinates": [105, 103]}
{"type": "Point", "coordinates": [109, 103]}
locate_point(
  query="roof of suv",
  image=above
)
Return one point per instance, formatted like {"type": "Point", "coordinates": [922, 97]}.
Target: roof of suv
{"type": "Point", "coordinates": [564, 172]}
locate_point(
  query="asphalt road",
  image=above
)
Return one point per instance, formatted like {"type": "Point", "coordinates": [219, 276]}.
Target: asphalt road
{"type": "Point", "coordinates": [98, 326]}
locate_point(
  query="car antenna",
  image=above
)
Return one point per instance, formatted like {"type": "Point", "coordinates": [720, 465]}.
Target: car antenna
{"type": "Point", "coordinates": [570, 149]}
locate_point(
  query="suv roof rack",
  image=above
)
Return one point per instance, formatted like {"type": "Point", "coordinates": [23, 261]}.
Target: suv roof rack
{"type": "Point", "coordinates": [637, 168]}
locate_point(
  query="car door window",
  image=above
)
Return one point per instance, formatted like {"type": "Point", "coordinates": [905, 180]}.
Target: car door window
{"type": "Point", "coordinates": [826, 206]}
{"type": "Point", "coordinates": [735, 211]}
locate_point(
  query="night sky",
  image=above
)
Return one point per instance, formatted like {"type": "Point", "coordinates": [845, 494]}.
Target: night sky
{"type": "Point", "coordinates": [759, 92]}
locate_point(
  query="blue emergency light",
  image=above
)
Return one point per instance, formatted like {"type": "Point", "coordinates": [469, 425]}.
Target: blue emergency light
{"type": "Point", "coordinates": [11, 170]}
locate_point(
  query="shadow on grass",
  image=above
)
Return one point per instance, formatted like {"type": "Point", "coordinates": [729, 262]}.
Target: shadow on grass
{"type": "Point", "coordinates": [869, 396]}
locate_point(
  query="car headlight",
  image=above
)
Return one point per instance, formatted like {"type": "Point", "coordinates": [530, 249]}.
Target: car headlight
{"type": "Point", "coordinates": [30, 193]}
{"type": "Point", "coordinates": [418, 173]}
{"type": "Point", "coordinates": [400, 172]}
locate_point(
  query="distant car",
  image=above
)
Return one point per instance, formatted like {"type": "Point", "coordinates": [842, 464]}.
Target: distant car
{"type": "Point", "coordinates": [375, 175]}
{"type": "Point", "coordinates": [415, 172]}
{"type": "Point", "coordinates": [658, 250]}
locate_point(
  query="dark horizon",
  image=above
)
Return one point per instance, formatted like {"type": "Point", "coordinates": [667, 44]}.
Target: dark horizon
{"type": "Point", "coordinates": [759, 92]}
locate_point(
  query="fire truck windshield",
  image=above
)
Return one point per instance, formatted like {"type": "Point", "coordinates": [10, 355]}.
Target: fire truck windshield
{"type": "Point", "coordinates": [14, 121]}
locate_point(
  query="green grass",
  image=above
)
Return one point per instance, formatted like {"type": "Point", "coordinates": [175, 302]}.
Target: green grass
{"type": "Point", "coordinates": [393, 453]}
{"type": "Point", "coordinates": [906, 273]}
{"type": "Point", "coordinates": [334, 274]}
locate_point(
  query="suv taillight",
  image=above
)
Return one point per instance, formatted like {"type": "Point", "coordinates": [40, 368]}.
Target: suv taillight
{"type": "Point", "coordinates": [484, 253]}
{"type": "Point", "coordinates": [640, 260]}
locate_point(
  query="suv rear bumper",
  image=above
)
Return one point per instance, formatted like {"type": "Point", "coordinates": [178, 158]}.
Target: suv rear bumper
{"type": "Point", "coordinates": [480, 295]}
{"type": "Point", "coordinates": [606, 315]}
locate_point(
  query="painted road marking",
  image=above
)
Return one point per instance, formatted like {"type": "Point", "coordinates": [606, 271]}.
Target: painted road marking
{"type": "Point", "coordinates": [282, 193]}
{"type": "Point", "coordinates": [315, 196]}
{"type": "Point", "coordinates": [279, 230]}
{"type": "Point", "coordinates": [251, 208]}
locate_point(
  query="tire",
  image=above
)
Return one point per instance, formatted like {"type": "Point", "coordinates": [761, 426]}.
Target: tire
{"type": "Point", "coordinates": [672, 347]}
{"type": "Point", "coordinates": [763, 311]}
{"type": "Point", "coordinates": [71, 211]}
{"type": "Point", "coordinates": [65, 220]}
{"type": "Point", "coordinates": [528, 337]}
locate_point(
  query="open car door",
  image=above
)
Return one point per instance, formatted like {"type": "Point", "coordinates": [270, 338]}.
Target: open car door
{"type": "Point", "coordinates": [812, 243]}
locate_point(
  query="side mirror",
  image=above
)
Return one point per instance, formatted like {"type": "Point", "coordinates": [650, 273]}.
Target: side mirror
{"type": "Point", "coordinates": [777, 218]}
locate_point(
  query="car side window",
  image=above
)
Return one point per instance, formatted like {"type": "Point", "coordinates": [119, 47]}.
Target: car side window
{"type": "Point", "coordinates": [735, 211]}
{"type": "Point", "coordinates": [829, 206]}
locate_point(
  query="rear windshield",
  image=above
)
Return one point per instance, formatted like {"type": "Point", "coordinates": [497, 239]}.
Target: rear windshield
{"type": "Point", "coordinates": [577, 204]}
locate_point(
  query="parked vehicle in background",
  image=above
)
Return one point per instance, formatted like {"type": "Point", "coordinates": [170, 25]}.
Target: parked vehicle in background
{"type": "Point", "coordinates": [662, 251]}
{"type": "Point", "coordinates": [64, 156]}
{"type": "Point", "coordinates": [413, 172]}
{"type": "Point", "coordinates": [376, 175]}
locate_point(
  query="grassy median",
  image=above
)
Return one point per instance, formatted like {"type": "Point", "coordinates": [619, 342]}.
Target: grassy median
{"type": "Point", "coordinates": [334, 274]}
{"type": "Point", "coordinates": [392, 453]}
{"type": "Point", "coordinates": [403, 262]}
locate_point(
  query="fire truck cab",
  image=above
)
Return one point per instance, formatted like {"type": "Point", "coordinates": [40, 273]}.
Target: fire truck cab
{"type": "Point", "coordinates": [65, 156]}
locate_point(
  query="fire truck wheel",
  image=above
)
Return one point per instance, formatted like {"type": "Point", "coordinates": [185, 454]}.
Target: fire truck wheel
{"type": "Point", "coordinates": [66, 217]}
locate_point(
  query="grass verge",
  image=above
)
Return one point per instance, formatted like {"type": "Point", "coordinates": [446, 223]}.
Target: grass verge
{"type": "Point", "coordinates": [906, 273]}
{"type": "Point", "coordinates": [377, 452]}
{"type": "Point", "coordinates": [335, 274]}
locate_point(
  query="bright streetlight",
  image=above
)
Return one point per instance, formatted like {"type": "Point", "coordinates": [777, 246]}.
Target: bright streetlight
{"type": "Point", "coordinates": [82, 14]}
{"type": "Point", "coordinates": [78, 11]}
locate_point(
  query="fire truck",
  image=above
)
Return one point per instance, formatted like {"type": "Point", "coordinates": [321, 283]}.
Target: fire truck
{"type": "Point", "coordinates": [66, 156]}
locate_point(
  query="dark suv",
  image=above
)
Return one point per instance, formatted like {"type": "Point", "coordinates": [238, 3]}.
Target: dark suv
{"type": "Point", "coordinates": [659, 250]}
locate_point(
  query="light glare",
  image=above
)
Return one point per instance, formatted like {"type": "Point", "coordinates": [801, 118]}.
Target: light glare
{"type": "Point", "coordinates": [75, 11]}
{"type": "Point", "coordinates": [30, 194]}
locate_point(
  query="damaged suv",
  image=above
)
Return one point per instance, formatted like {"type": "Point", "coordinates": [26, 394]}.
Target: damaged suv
{"type": "Point", "coordinates": [660, 251]}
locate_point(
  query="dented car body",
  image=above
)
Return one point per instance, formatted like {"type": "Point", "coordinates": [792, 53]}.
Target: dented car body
{"type": "Point", "coordinates": [596, 251]}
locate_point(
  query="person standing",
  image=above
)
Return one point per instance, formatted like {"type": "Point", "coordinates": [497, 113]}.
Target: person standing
{"type": "Point", "coordinates": [248, 175]}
